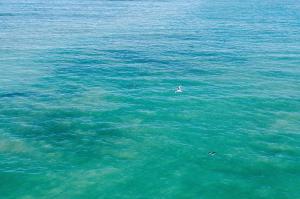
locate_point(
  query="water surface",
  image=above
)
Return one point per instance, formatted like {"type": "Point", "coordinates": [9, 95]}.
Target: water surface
{"type": "Point", "coordinates": [88, 109]}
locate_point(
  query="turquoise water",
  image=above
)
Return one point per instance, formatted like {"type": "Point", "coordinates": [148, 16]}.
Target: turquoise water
{"type": "Point", "coordinates": [88, 109]}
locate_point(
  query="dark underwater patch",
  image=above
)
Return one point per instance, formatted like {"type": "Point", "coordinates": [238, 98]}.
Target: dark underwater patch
{"type": "Point", "coordinates": [15, 94]}
{"type": "Point", "coordinates": [6, 15]}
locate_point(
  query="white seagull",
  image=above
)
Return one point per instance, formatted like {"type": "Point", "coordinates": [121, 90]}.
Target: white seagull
{"type": "Point", "coordinates": [179, 90]}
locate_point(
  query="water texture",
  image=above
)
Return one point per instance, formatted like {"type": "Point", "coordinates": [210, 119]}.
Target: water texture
{"type": "Point", "coordinates": [88, 109]}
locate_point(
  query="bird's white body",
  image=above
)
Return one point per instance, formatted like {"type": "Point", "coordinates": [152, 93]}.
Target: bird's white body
{"type": "Point", "coordinates": [179, 90]}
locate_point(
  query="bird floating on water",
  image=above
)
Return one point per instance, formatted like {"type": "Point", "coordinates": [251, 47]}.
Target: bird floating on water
{"type": "Point", "coordinates": [179, 89]}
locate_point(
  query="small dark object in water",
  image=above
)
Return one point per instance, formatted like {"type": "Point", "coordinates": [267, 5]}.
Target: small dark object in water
{"type": "Point", "coordinates": [212, 153]}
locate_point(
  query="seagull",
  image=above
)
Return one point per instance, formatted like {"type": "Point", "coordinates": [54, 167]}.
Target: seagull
{"type": "Point", "coordinates": [179, 90]}
{"type": "Point", "coordinates": [212, 153]}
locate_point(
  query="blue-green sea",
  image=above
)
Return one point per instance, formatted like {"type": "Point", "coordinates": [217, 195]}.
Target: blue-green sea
{"type": "Point", "coordinates": [88, 108]}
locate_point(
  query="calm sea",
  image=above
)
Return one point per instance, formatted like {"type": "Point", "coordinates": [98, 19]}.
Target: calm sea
{"type": "Point", "coordinates": [88, 108]}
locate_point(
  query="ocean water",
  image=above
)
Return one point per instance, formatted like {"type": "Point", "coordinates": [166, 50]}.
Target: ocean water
{"type": "Point", "coordinates": [88, 108]}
